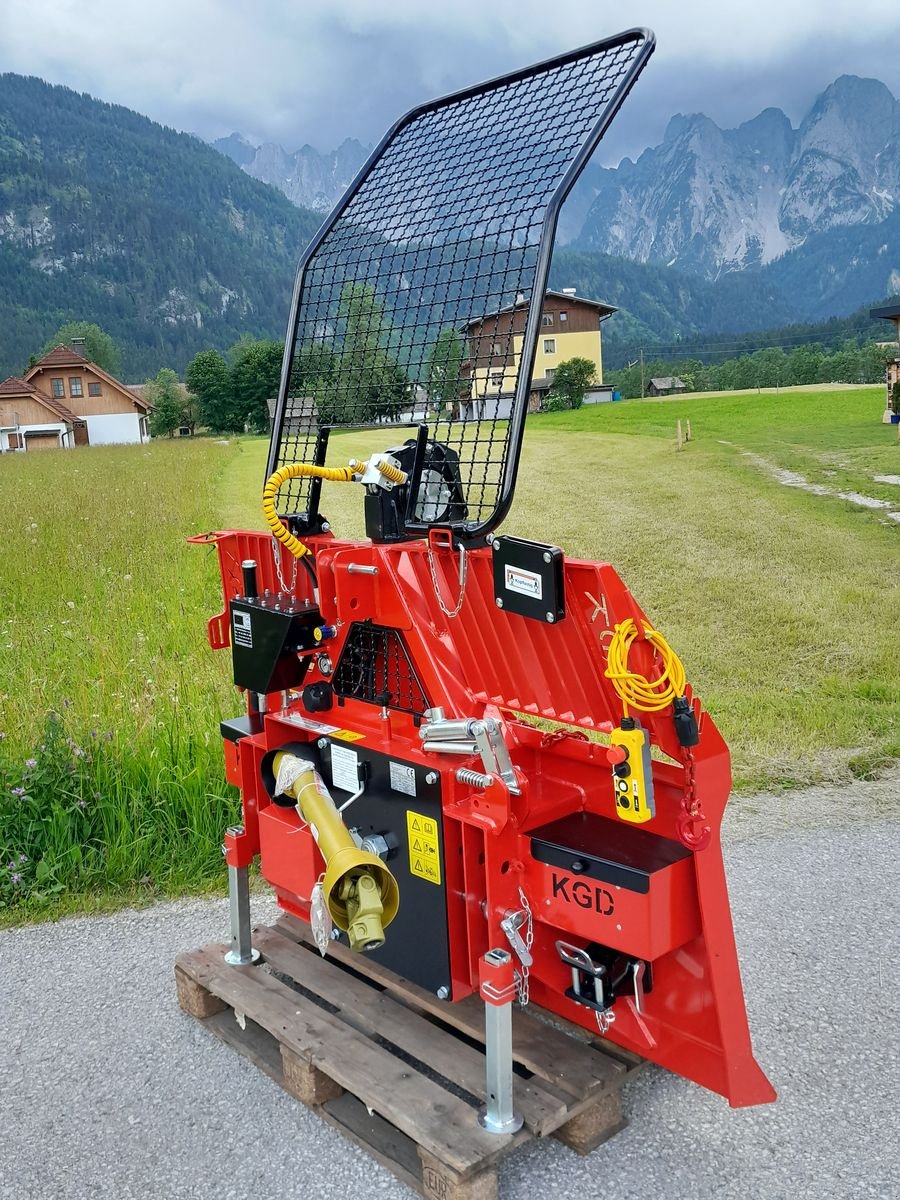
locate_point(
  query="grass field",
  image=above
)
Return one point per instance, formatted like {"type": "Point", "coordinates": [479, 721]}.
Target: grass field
{"type": "Point", "coordinates": [782, 603]}
{"type": "Point", "coordinates": [110, 763]}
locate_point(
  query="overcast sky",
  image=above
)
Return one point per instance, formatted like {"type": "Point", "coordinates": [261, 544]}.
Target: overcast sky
{"type": "Point", "coordinates": [322, 70]}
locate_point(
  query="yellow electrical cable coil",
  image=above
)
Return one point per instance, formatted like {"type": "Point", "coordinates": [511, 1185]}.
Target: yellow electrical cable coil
{"type": "Point", "coordinates": [332, 474]}
{"type": "Point", "coordinates": [634, 690]}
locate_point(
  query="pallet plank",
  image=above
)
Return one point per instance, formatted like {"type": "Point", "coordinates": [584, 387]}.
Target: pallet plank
{"type": "Point", "coordinates": [251, 1041]}
{"type": "Point", "coordinates": [570, 1065]}
{"type": "Point", "coordinates": [376, 1136]}
{"type": "Point", "coordinates": [378, 1013]}
{"type": "Point", "coordinates": [423, 1110]}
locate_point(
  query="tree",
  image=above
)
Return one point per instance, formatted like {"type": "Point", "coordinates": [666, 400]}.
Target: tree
{"type": "Point", "coordinates": [895, 398]}
{"type": "Point", "coordinates": [169, 402]}
{"type": "Point", "coordinates": [444, 367]}
{"type": "Point", "coordinates": [570, 381]}
{"type": "Point", "coordinates": [207, 379]}
{"type": "Point", "coordinates": [368, 384]}
{"type": "Point", "coordinates": [255, 376]}
{"type": "Point", "coordinates": [99, 347]}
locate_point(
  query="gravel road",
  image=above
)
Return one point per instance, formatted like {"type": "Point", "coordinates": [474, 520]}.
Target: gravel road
{"type": "Point", "coordinates": [107, 1090]}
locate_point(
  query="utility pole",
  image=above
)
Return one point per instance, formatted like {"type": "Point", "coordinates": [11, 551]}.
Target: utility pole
{"type": "Point", "coordinates": [642, 372]}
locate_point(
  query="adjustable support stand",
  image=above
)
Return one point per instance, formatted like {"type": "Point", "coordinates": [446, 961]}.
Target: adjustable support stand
{"type": "Point", "coordinates": [498, 990]}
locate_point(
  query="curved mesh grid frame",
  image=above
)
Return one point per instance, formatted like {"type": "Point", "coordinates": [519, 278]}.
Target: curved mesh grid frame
{"type": "Point", "coordinates": [413, 307]}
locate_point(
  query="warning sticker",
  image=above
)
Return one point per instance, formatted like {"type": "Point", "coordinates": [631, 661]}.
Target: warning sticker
{"type": "Point", "coordinates": [424, 852]}
{"type": "Point", "coordinates": [312, 726]}
{"type": "Point", "coordinates": [403, 778]}
{"type": "Point", "coordinates": [243, 630]}
{"type": "Point", "coordinates": [526, 583]}
{"type": "Point", "coordinates": [345, 768]}
{"type": "Point", "coordinates": [345, 735]}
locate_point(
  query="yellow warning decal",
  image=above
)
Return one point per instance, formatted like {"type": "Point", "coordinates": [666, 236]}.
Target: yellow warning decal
{"type": "Point", "coordinates": [347, 735]}
{"type": "Point", "coordinates": [424, 856]}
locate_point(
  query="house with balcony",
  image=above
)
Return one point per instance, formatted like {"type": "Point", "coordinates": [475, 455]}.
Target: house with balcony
{"type": "Point", "coordinates": [570, 328]}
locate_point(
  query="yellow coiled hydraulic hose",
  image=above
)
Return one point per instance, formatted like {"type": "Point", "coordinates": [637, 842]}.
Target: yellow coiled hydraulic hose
{"type": "Point", "coordinates": [634, 690]}
{"type": "Point", "coordinates": [333, 474]}
{"type": "Point", "coordinates": [277, 481]}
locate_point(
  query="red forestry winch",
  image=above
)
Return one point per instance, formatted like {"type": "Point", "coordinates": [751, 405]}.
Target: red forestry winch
{"type": "Point", "coordinates": [417, 767]}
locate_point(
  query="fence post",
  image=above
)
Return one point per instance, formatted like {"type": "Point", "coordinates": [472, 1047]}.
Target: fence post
{"type": "Point", "coordinates": [680, 440]}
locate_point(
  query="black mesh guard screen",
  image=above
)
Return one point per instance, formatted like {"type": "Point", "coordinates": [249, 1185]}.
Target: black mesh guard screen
{"type": "Point", "coordinates": [413, 307]}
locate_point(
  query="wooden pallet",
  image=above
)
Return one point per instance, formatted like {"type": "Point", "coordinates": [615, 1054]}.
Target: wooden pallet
{"type": "Point", "coordinates": [395, 1069]}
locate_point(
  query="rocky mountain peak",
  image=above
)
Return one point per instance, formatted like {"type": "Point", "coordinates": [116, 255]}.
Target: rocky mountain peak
{"type": "Point", "coordinates": [711, 200]}
{"type": "Point", "coordinates": [306, 176]}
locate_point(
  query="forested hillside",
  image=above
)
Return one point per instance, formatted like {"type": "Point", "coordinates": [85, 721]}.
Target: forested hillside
{"type": "Point", "coordinates": [109, 217]}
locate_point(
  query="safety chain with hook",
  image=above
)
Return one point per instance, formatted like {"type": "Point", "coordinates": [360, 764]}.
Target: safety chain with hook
{"type": "Point", "coordinates": [521, 974]}
{"type": "Point", "coordinates": [691, 823]}
{"type": "Point", "coordinates": [463, 576]}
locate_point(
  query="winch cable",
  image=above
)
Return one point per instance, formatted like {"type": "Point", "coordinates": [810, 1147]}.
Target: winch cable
{"type": "Point", "coordinates": [306, 470]}
{"type": "Point", "coordinates": [636, 690]}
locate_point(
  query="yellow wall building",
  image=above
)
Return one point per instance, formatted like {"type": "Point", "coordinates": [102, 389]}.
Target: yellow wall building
{"type": "Point", "coordinates": [570, 328]}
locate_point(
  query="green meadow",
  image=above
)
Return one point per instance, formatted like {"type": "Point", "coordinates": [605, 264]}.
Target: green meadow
{"type": "Point", "coordinates": [782, 602]}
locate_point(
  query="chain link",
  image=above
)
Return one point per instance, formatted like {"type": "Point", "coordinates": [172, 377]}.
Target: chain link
{"type": "Point", "coordinates": [604, 1020]}
{"type": "Point", "coordinates": [276, 555]}
{"type": "Point", "coordinates": [521, 975]}
{"type": "Point", "coordinates": [463, 576]}
{"type": "Point", "coordinates": [691, 823]}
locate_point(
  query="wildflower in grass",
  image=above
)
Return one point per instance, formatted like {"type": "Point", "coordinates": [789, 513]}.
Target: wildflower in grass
{"type": "Point", "coordinates": [81, 803]}
{"type": "Point", "coordinates": [18, 791]}
{"type": "Point", "coordinates": [2, 735]}
{"type": "Point", "coordinates": [70, 604]}
{"type": "Point", "coordinates": [15, 877]}
{"type": "Point", "coordinates": [23, 858]}
{"type": "Point", "coordinates": [30, 763]}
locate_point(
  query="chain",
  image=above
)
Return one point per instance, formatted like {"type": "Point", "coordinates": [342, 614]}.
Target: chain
{"type": "Point", "coordinates": [463, 576]}
{"type": "Point", "coordinates": [521, 975]}
{"type": "Point", "coordinates": [691, 821]}
{"type": "Point", "coordinates": [604, 1020]}
{"type": "Point", "coordinates": [276, 555]}
{"type": "Point", "coordinates": [691, 803]}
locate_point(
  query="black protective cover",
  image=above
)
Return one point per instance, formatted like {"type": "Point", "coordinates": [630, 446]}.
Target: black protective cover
{"type": "Point", "coordinates": [529, 579]}
{"type": "Point", "coordinates": [425, 285]}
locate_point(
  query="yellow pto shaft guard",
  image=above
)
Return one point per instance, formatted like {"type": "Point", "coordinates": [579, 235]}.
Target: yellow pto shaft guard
{"type": "Point", "coordinates": [361, 893]}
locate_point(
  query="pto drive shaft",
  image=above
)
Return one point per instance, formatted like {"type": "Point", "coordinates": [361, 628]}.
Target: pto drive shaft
{"type": "Point", "coordinates": [361, 893]}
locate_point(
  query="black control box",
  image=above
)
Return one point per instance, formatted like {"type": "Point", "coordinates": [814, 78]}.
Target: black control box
{"type": "Point", "coordinates": [267, 633]}
{"type": "Point", "coordinates": [528, 579]}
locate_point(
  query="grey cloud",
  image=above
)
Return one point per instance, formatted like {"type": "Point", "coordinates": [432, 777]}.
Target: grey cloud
{"type": "Point", "coordinates": [327, 69]}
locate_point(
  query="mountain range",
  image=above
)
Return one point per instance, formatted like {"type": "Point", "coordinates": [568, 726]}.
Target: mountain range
{"type": "Point", "coordinates": [710, 201]}
{"type": "Point", "coordinates": [307, 177]}
{"type": "Point", "coordinates": [174, 246]}
{"type": "Point", "coordinates": [108, 217]}
{"type": "Point", "coordinates": [810, 216]}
